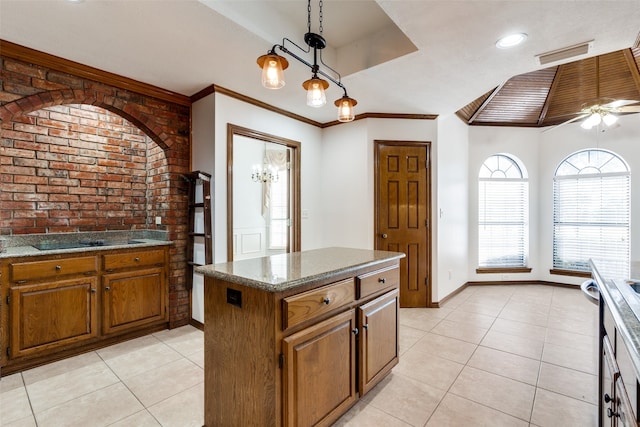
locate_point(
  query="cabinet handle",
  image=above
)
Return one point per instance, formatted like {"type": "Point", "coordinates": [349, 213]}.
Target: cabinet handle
{"type": "Point", "coordinates": [107, 288]}
{"type": "Point", "coordinates": [611, 413]}
{"type": "Point", "coordinates": [384, 235]}
{"type": "Point", "coordinates": [137, 259]}
{"type": "Point", "coordinates": [93, 291]}
{"type": "Point", "coordinates": [607, 398]}
{"type": "Point", "coordinates": [355, 331]}
{"type": "Point", "coordinates": [365, 326]}
{"type": "Point", "coordinates": [326, 300]}
{"type": "Point", "coordinates": [58, 267]}
{"type": "Point", "coordinates": [382, 280]}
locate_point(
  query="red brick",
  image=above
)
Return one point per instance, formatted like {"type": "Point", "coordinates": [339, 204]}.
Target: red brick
{"type": "Point", "coordinates": [21, 179]}
{"type": "Point", "coordinates": [18, 188]}
{"type": "Point", "coordinates": [23, 68]}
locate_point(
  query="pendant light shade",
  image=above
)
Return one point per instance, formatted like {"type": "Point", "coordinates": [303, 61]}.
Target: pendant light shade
{"type": "Point", "coordinates": [273, 67]}
{"type": "Point", "coordinates": [346, 108]}
{"type": "Point", "coordinates": [315, 87]}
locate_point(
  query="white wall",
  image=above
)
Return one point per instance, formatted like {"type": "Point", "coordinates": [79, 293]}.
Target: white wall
{"type": "Point", "coordinates": [624, 139]}
{"type": "Point", "coordinates": [348, 175]}
{"type": "Point", "coordinates": [450, 200]}
{"type": "Point", "coordinates": [523, 143]}
{"type": "Point", "coordinates": [230, 110]}
{"type": "Point", "coordinates": [541, 152]}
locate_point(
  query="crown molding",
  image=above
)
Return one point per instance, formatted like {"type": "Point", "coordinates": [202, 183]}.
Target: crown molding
{"type": "Point", "coordinates": [36, 57]}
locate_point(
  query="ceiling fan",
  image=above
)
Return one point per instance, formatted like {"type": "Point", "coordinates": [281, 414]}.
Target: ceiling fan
{"type": "Point", "coordinates": [606, 113]}
{"type": "Point", "coordinates": [604, 110]}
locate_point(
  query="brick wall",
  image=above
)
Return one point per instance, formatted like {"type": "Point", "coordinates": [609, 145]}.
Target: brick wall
{"type": "Point", "coordinates": [79, 155]}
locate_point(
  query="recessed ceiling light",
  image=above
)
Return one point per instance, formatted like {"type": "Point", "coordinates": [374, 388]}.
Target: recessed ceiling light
{"type": "Point", "coordinates": [511, 40]}
{"type": "Point", "coordinates": [75, 1]}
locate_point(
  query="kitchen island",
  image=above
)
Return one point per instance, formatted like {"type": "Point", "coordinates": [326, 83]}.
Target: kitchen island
{"type": "Point", "coordinates": [296, 339]}
{"type": "Point", "coordinates": [619, 361]}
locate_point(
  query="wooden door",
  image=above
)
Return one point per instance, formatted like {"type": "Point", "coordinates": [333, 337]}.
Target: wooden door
{"type": "Point", "coordinates": [320, 372]}
{"type": "Point", "coordinates": [50, 315]}
{"type": "Point", "coordinates": [402, 214]}
{"type": "Point", "coordinates": [133, 298]}
{"type": "Point", "coordinates": [378, 352]}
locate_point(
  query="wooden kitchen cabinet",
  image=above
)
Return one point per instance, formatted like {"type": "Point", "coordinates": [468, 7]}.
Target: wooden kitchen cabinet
{"type": "Point", "coordinates": [133, 299]}
{"type": "Point", "coordinates": [134, 290]}
{"type": "Point", "coordinates": [52, 304]}
{"type": "Point", "coordinates": [320, 371]}
{"type": "Point", "coordinates": [52, 314]}
{"type": "Point", "coordinates": [293, 356]}
{"type": "Point", "coordinates": [64, 304]}
{"type": "Point", "coordinates": [378, 345]}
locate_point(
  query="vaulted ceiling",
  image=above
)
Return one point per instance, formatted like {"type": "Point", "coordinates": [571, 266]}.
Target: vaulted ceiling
{"type": "Point", "coordinates": [416, 57]}
{"type": "Point", "coordinates": [554, 95]}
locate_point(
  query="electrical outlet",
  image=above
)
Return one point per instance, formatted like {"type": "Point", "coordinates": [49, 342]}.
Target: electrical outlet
{"type": "Point", "coordinates": [158, 220]}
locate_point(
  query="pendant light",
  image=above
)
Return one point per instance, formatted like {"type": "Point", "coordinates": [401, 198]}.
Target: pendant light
{"type": "Point", "coordinates": [273, 66]}
{"type": "Point", "coordinates": [345, 108]}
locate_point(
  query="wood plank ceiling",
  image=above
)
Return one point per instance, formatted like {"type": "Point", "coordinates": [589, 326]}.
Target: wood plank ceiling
{"type": "Point", "coordinates": [553, 95]}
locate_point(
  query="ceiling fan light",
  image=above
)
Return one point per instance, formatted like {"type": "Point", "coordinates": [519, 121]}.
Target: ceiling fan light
{"type": "Point", "coordinates": [591, 121]}
{"type": "Point", "coordinates": [346, 109]}
{"type": "Point", "coordinates": [315, 91]}
{"type": "Point", "coordinates": [273, 67]}
{"type": "Point", "coordinates": [609, 119]}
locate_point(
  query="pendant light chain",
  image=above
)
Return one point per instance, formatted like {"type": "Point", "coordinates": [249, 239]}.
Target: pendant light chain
{"type": "Point", "coordinates": [320, 29]}
{"type": "Point", "coordinates": [309, 16]}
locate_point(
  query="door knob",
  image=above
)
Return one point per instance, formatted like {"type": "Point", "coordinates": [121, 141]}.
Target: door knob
{"type": "Point", "coordinates": [383, 235]}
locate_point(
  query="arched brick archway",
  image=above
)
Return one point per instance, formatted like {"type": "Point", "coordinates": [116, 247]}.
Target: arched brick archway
{"type": "Point", "coordinates": [124, 108]}
{"type": "Point", "coordinates": [29, 87]}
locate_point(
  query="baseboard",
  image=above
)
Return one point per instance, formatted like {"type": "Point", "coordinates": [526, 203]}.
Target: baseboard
{"type": "Point", "coordinates": [196, 324]}
{"type": "Point", "coordinates": [438, 304]}
{"type": "Point", "coordinates": [520, 282]}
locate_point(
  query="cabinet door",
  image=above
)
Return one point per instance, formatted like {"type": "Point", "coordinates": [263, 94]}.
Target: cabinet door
{"type": "Point", "coordinates": [378, 322]}
{"type": "Point", "coordinates": [320, 372]}
{"type": "Point", "coordinates": [45, 316]}
{"type": "Point", "coordinates": [133, 298]}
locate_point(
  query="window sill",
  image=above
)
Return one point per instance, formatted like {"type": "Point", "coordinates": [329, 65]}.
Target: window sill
{"type": "Point", "coordinates": [570, 273]}
{"type": "Point", "coordinates": [485, 270]}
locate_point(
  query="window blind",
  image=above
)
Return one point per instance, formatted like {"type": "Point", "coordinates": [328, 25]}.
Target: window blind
{"type": "Point", "coordinates": [591, 219]}
{"type": "Point", "coordinates": [503, 222]}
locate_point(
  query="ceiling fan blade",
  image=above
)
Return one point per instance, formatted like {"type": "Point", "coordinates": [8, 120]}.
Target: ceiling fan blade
{"type": "Point", "coordinates": [629, 109]}
{"type": "Point", "coordinates": [582, 116]}
{"type": "Point", "coordinates": [620, 103]}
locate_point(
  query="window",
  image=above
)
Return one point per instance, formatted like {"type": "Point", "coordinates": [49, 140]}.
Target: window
{"type": "Point", "coordinates": [503, 213]}
{"type": "Point", "coordinates": [591, 213]}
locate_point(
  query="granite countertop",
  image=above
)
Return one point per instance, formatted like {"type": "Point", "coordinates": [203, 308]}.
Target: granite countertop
{"type": "Point", "coordinates": [277, 273]}
{"type": "Point", "coordinates": [624, 304]}
{"type": "Point", "coordinates": [27, 245]}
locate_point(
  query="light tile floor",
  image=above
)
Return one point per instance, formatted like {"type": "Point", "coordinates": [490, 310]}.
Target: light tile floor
{"type": "Point", "coordinates": [492, 356]}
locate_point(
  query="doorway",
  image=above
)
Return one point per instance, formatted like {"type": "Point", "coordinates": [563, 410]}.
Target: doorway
{"type": "Point", "coordinates": [263, 194]}
{"type": "Point", "coordinates": [402, 214]}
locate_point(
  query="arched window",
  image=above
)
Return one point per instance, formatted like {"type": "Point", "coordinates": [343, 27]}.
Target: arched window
{"type": "Point", "coordinates": [591, 212]}
{"type": "Point", "coordinates": [503, 213]}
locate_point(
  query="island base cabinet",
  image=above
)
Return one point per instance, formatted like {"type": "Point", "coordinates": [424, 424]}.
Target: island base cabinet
{"type": "Point", "coordinates": [378, 345]}
{"type": "Point", "coordinates": [50, 315]}
{"type": "Point", "coordinates": [320, 372]}
{"type": "Point", "coordinates": [133, 299]}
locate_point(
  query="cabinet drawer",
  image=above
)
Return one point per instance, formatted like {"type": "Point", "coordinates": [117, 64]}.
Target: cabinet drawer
{"type": "Point", "coordinates": [307, 305]}
{"type": "Point", "coordinates": [35, 270]}
{"type": "Point", "coordinates": [370, 283]}
{"type": "Point", "coordinates": [133, 259]}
